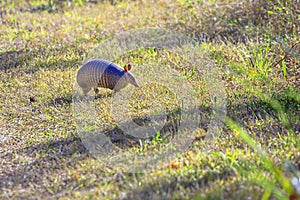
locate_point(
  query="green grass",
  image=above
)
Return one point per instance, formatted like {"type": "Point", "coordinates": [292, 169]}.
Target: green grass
{"type": "Point", "coordinates": [255, 47]}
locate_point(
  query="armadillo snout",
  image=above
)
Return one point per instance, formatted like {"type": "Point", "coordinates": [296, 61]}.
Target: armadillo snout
{"type": "Point", "coordinates": [132, 80]}
{"type": "Point", "coordinates": [135, 83]}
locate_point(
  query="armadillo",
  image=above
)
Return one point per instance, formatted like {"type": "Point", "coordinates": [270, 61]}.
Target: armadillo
{"type": "Point", "coordinates": [102, 73]}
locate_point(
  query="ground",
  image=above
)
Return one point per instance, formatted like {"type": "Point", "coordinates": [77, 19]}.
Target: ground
{"type": "Point", "coordinates": [254, 47]}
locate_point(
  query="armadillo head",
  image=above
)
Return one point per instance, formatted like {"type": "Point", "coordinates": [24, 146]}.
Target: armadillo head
{"type": "Point", "coordinates": [129, 76]}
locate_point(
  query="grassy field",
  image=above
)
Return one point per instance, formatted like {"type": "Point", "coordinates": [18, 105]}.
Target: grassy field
{"type": "Point", "coordinates": [255, 48]}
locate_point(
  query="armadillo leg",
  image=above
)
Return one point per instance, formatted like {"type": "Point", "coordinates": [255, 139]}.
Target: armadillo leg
{"type": "Point", "coordinates": [86, 90]}
{"type": "Point", "coordinates": [96, 90]}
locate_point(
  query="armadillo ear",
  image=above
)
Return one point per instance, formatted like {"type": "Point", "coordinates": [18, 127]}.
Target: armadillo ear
{"type": "Point", "coordinates": [127, 67]}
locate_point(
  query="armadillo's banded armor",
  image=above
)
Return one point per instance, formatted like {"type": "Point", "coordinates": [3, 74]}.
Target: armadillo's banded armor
{"type": "Point", "coordinates": [101, 73]}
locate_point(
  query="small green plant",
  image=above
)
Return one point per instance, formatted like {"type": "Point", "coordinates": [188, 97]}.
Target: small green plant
{"type": "Point", "coordinates": [79, 2]}
{"type": "Point", "coordinates": [157, 140]}
{"type": "Point", "coordinates": [261, 62]}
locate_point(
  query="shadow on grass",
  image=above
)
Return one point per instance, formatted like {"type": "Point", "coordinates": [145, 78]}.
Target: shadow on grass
{"type": "Point", "coordinates": [171, 188]}
{"type": "Point", "coordinates": [236, 190]}
{"type": "Point", "coordinates": [172, 126]}
{"type": "Point", "coordinates": [59, 5]}
{"type": "Point", "coordinates": [250, 110]}
{"type": "Point", "coordinates": [169, 130]}
{"type": "Point", "coordinates": [28, 165]}
{"type": "Point", "coordinates": [13, 59]}
{"type": "Point", "coordinates": [239, 23]}
{"type": "Point", "coordinates": [30, 60]}
{"type": "Point", "coordinates": [43, 159]}
{"type": "Point", "coordinates": [254, 109]}
{"type": "Point", "coordinates": [24, 166]}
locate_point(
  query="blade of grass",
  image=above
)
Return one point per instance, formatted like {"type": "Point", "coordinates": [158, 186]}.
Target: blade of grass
{"type": "Point", "coordinates": [268, 164]}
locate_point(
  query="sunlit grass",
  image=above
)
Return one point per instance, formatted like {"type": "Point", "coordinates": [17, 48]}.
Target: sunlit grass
{"type": "Point", "coordinates": [43, 43]}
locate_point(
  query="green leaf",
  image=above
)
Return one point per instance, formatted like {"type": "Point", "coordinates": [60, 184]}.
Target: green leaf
{"type": "Point", "coordinates": [284, 69]}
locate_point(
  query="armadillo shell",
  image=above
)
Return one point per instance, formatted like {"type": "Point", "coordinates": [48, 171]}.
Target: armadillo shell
{"type": "Point", "coordinates": [99, 73]}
